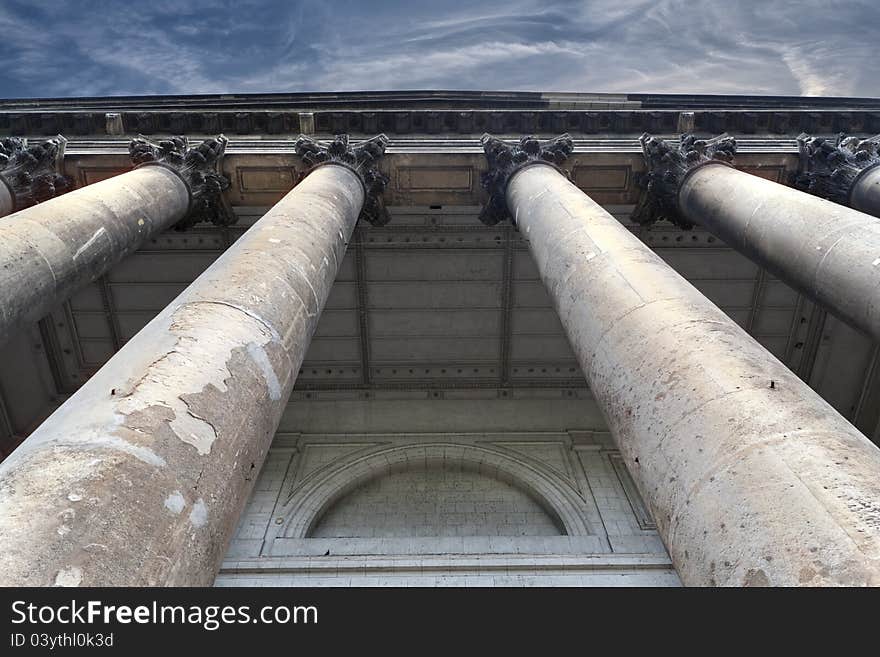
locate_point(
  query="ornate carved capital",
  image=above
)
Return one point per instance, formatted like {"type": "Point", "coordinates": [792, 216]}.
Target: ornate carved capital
{"type": "Point", "coordinates": [199, 167]}
{"type": "Point", "coordinates": [829, 168]}
{"type": "Point", "coordinates": [362, 158]}
{"type": "Point", "coordinates": [667, 166]}
{"type": "Point", "coordinates": [33, 173]}
{"type": "Point", "coordinates": [506, 159]}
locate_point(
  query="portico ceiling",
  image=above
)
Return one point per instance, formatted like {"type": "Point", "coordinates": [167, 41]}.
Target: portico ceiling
{"type": "Point", "coordinates": [434, 301]}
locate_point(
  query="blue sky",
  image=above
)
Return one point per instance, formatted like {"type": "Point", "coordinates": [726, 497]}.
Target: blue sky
{"type": "Point", "coordinates": [99, 47]}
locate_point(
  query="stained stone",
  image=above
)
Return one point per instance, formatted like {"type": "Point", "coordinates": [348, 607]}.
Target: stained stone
{"type": "Point", "coordinates": [751, 477]}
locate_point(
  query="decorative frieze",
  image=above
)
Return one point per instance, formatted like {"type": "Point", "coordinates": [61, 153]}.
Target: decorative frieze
{"type": "Point", "coordinates": [362, 158]}
{"type": "Point", "coordinates": [668, 163]}
{"type": "Point", "coordinates": [505, 159]}
{"type": "Point", "coordinates": [829, 168]}
{"type": "Point", "coordinates": [33, 172]}
{"type": "Point", "coordinates": [199, 167]}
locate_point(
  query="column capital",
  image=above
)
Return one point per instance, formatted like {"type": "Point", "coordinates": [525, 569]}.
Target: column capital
{"type": "Point", "coordinates": [506, 159]}
{"type": "Point", "coordinates": [33, 172]}
{"type": "Point", "coordinates": [198, 166]}
{"type": "Point", "coordinates": [829, 168]}
{"type": "Point", "coordinates": [667, 165]}
{"type": "Point", "coordinates": [361, 158]}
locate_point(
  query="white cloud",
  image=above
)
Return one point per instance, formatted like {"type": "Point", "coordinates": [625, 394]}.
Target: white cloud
{"type": "Point", "coordinates": [220, 46]}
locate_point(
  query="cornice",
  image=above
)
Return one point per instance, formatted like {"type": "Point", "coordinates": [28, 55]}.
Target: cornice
{"type": "Point", "coordinates": [550, 117]}
{"type": "Point", "coordinates": [432, 145]}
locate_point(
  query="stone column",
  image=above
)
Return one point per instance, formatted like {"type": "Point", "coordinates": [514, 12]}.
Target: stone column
{"type": "Point", "coordinates": [139, 478]}
{"type": "Point", "coordinates": [51, 250]}
{"type": "Point", "coordinates": [31, 174]}
{"type": "Point", "coordinates": [751, 477]}
{"type": "Point", "coordinates": [845, 170]}
{"type": "Point", "coordinates": [828, 252]}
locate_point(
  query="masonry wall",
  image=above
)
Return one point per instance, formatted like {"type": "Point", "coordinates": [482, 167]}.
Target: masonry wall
{"type": "Point", "coordinates": [473, 508]}
{"type": "Point", "coordinates": [443, 501]}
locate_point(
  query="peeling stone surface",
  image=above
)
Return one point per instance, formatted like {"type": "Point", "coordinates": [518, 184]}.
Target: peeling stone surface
{"type": "Point", "coordinates": [175, 502]}
{"type": "Point", "coordinates": [71, 576]}
{"type": "Point", "coordinates": [749, 484]}
{"type": "Point", "coordinates": [825, 250]}
{"type": "Point", "coordinates": [199, 514]}
{"type": "Point", "coordinates": [162, 442]}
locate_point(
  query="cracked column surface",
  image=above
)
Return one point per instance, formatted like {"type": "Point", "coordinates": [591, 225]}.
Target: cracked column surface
{"type": "Point", "coordinates": [51, 250]}
{"type": "Point", "coordinates": [752, 478]}
{"type": "Point", "coordinates": [139, 478]}
{"type": "Point", "coordinates": [829, 252]}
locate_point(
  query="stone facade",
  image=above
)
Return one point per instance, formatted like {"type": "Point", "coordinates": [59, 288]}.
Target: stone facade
{"type": "Point", "coordinates": [464, 360]}
{"type": "Point", "coordinates": [529, 508]}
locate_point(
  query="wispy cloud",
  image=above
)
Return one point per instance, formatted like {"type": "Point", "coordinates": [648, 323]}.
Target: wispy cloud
{"type": "Point", "coordinates": [99, 47]}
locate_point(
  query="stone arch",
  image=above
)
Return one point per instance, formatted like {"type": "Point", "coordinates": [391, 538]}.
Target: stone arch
{"type": "Point", "coordinates": [321, 489]}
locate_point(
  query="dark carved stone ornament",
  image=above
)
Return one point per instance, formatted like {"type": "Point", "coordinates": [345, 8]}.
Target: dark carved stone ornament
{"type": "Point", "coordinates": [32, 172]}
{"type": "Point", "coordinates": [199, 167]}
{"type": "Point", "coordinates": [506, 159]}
{"type": "Point", "coordinates": [667, 165]}
{"type": "Point", "coordinates": [830, 167]}
{"type": "Point", "coordinates": [362, 158]}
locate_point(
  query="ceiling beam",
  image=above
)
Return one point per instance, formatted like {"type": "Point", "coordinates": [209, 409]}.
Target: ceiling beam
{"type": "Point", "coordinates": [360, 260]}
{"type": "Point", "coordinates": [757, 295]}
{"type": "Point", "coordinates": [815, 329]}
{"type": "Point", "coordinates": [7, 430]}
{"type": "Point", "coordinates": [110, 312]}
{"type": "Point", "coordinates": [506, 308]}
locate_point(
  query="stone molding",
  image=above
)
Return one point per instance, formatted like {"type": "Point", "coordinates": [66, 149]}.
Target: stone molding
{"type": "Point", "coordinates": [361, 158]}
{"type": "Point", "coordinates": [317, 492]}
{"type": "Point", "coordinates": [505, 159]}
{"type": "Point", "coordinates": [829, 168]}
{"type": "Point", "coordinates": [33, 173]}
{"type": "Point", "coordinates": [196, 116]}
{"type": "Point", "coordinates": [200, 169]}
{"type": "Point", "coordinates": [668, 164]}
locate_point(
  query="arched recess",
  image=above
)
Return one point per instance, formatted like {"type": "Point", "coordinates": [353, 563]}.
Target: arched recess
{"type": "Point", "coordinates": [443, 500]}
{"type": "Point", "coordinates": [321, 489]}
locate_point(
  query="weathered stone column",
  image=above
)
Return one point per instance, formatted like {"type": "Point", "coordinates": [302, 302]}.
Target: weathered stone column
{"type": "Point", "coordinates": [828, 252]}
{"type": "Point", "coordinates": [50, 250]}
{"type": "Point", "coordinates": [139, 478]}
{"type": "Point", "coordinates": [846, 170]}
{"type": "Point", "coordinates": [751, 477]}
{"type": "Point", "coordinates": [31, 174]}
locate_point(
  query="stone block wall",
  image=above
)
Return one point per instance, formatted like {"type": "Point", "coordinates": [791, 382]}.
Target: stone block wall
{"type": "Point", "coordinates": [441, 501]}
{"type": "Point", "coordinates": [470, 509]}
